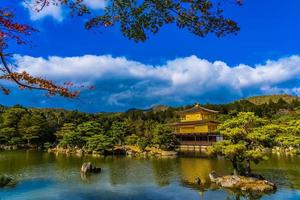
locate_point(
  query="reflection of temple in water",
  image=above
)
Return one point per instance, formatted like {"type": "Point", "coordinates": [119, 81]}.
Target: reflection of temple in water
{"type": "Point", "coordinates": [190, 169]}
{"type": "Point", "coordinates": [163, 171]}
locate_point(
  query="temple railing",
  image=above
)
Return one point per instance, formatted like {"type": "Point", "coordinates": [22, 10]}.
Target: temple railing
{"type": "Point", "coordinates": [196, 143]}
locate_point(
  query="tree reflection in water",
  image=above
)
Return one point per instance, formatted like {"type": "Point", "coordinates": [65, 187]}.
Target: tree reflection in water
{"type": "Point", "coordinates": [157, 176]}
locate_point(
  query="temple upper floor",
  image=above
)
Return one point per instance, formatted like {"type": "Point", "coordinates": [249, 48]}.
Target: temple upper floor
{"type": "Point", "coordinates": [197, 113]}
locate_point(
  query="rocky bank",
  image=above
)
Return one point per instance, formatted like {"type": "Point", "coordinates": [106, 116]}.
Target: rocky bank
{"type": "Point", "coordinates": [242, 183]}
{"type": "Point", "coordinates": [131, 151]}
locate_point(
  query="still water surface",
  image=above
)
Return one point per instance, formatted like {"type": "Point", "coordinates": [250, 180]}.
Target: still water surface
{"type": "Point", "coordinates": [56, 177]}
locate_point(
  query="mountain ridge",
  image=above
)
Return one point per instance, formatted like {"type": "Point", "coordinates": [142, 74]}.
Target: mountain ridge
{"type": "Point", "coordinates": [265, 99]}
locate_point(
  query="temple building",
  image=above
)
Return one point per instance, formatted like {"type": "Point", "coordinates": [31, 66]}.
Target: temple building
{"type": "Point", "coordinates": [197, 126]}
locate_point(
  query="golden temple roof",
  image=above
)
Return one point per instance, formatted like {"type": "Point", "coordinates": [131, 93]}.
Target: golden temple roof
{"type": "Point", "coordinates": [196, 108]}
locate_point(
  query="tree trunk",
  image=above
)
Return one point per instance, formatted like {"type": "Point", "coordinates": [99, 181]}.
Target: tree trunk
{"type": "Point", "coordinates": [235, 167]}
{"type": "Point", "coordinates": [248, 168]}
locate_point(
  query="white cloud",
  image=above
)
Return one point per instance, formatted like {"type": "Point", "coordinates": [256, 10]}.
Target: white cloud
{"type": "Point", "coordinates": [121, 81]}
{"type": "Point", "coordinates": [56, 11]}
{"type": "Point", "coordinates": [48, 11]}
{"type": "Point", "coordinates": [95, 4]}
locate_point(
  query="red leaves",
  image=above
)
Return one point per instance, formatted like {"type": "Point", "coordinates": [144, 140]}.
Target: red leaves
{"type": "Point", "coordinates": [10, 29]}
{"type": "Point", "coordinates": [26, 81]}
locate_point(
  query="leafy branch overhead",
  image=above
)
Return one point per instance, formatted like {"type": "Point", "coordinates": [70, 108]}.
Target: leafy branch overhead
{"type": "Point", "coordinates": [135, 18]}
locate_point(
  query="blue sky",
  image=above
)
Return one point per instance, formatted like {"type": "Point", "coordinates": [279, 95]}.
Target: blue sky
{"type": "Point", "coordinates": [173, 67]}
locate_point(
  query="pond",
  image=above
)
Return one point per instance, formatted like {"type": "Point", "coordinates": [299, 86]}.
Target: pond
{"type": "Point", "coordinates": [47, 176]}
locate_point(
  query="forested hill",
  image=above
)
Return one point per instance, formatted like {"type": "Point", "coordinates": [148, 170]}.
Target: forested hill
{"type": "Point", "coordinates": [263, 106]}
{"type": "Point", "coordinates": [268, 106]}
{"type": "Point", "coordinates": [258, 100]}
{"type": "Point", "coordinates": [45, 127]}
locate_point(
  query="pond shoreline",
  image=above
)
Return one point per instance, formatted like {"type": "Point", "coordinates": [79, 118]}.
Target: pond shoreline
{"type": "Point", "coordinates": [134, 151]}
{"type": "Point", "coordinates": [131, 151]}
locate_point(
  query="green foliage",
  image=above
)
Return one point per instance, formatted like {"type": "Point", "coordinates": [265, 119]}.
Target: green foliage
{"type": "Point", "coordinates": [164, 137]}
{"type": "Point", "coordinates": [143, 142]}
{"type": "Point", "coordinates": [65, 129]}
{"type": "Point", "coordinates": [243, 142]}
{"type": "Point", "coordinates": [288, 135]}
{"type": "Point", "coordinates": [288, 140]}
{"type": "Point", "coordinates": [99, 142]}
{"type": "Point", "coordinates": [268, 109]}
{"type": "Point", "coordinates": [259, 100]}
{"type": "Point", "coordinates": [228, 149]}
{"type": "Point", "coordinates": [89, 129]}
{"type": "Point", "coordinates": [131, 139]}
{"type": "Point", "coordinates": [118, 131]}
{"type": "Point", "coordinates": [6, 134]}
{"type": "Point", "coordinates": [47, 145]}
{"type": "Point", "coordinates": [31, 125]}
{"type": "Point", "coordinates": [139, 18]}
{"type": "Point", "coordinates": [10, 117]}
{"type": "Point", "coordinates": [70, 137]}
{"type": "Point", "coordinates": [246, 136]}
{"type": "Point", "coordinates": [15, 141]}
{"type": "Point", "coordinates": [9, 125]}
{"type": "Point", "coordinates": [50, 127]}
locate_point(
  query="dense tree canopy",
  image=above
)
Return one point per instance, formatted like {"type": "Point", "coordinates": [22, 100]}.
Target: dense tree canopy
{"type": "Point", "coordinates": [242, 141]}
{"type": "Point", "coordinates": [25, 127]}
{"type": "Point", "coordinates": [246, 137]}
{"type": "Point", "coordinates": [164, 137]}
{"type": "Point", "coordinates": [243, 132]}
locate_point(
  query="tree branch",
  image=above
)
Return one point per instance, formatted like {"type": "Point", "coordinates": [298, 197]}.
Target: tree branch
{"type": "Point", "coordinates": [13, 77]}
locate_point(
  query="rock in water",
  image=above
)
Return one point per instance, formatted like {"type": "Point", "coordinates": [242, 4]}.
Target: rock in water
{"type": "Point", "coordinates": [169, 153]}
{"type": "Point", "coordinates": [213, 176]}
{"type": "Point", "coordinates": [96, 170]}
{"type": "Point", "coordinates": [87, 167]}
{"type": "Point", "coordinates": [197, 181]}
{"type": "Point", "coordinates": [5, 180]}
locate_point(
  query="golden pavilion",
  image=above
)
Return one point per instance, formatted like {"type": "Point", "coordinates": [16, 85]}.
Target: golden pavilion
{"type": "Point", "coordinates": [197, 126]}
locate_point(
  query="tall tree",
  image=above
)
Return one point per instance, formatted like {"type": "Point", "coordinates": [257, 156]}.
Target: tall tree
{"type": "Point", "coordinates": [89, 129]}
{"type": "Point", "coordinates": [244, 141]}
{"type": "Point", "coordinates": [164, 137]}
{"type": "Point", "coordinates": [69, 137]}
{"type": "Point", "coordinates": [99, 142]}
{"type": "Point", "coordinates": [9, 125]}
{"type": "Point", "coordinates": [118, 131]}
